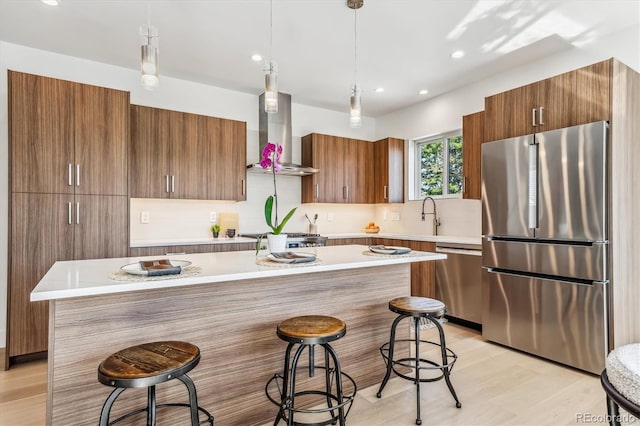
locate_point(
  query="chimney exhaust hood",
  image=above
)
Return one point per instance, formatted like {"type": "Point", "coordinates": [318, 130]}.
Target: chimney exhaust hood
{"type": "Point", "coordinates": [276, 128]}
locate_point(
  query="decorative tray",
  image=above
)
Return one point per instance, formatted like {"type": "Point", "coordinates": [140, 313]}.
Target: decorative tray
{"type": "Point", "coordinates": [382, 249]}
{"type": "Point", "coordinates": [291, 257]}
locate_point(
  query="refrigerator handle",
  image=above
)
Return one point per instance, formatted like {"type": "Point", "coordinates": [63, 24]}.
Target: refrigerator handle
{"type": "Point", "coordinates": [533, 185]}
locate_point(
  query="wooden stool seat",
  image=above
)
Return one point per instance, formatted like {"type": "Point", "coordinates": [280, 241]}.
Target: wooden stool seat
{"type": "Point", "coordinates": [148, 364]}
{"type": "Point", "coordinates": [311, 329]}
{"type": "Point", "coordinates": [416, 306]}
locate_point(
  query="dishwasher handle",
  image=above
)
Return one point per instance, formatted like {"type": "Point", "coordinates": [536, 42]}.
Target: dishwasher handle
{"type": "Point", "coordinates": [466, 252]}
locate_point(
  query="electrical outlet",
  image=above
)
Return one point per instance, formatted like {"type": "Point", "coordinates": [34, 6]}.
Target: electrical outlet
{"type": "Point", "coordinates": [144, 217]}
{"type": "Point", "coordinates": [330, 217]}
{"type": "Point", "coordinates": [395, 216]}
{"type": "Point", "coordinates": [213, 217]}
{"type": "Point", "coordinates": [385, 215]}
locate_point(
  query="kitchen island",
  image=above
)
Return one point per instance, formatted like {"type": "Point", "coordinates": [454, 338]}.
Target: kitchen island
{"type": "Point", "coordinates": [229, 309]}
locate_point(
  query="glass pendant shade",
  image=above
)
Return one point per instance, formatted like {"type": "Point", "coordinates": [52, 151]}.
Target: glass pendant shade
{"type": "Point", "coordinates": [149, 67]}
{"type": "Point", "coordinates": [355, 119]}
{"type": "Point", "coordinates": [271, 88]}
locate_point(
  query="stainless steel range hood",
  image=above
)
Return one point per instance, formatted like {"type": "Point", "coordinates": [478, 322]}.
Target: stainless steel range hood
{"type": "Point", "coordinates": [276, 128]}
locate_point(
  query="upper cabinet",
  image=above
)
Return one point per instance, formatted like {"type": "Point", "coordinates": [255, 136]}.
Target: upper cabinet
{"type": "Point", "coordinates": [353, 170]}
{"type": "Point", "coordinates": [389, 171]}
{"type": "Point", "coordinates": [576, 97]}
{"type": "Point", "coordinates": [67, 137]}
{"type": "Point", "coordinates": [472, 136]}
{"type": "Point", "coordinates": [186, 156]}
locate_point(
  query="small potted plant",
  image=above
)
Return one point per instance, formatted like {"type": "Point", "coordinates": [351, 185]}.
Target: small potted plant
{"type": "Point", "coordinates": [215, 229]}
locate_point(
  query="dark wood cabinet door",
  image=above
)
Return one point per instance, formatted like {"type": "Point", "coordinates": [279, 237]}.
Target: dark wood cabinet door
{"type": "Point", "coordinates": [152, 130]}
{"type": "Point", "coordinates": [472, 138]}
{"type": "Point", "coordinates": [101, 140]}
{"type": "Point", "coordinates": [227, 162]}
{"type": "Point", "coordinates": [366, 172]}
{"type": "Point", "coordinates": [509, 114]}
{"type": "Point", "coordinates": [41, 134]}
{"type": "Point", "coordinates": [556, 102]}
{"type": "Point", "coordinates": [325, 153]}
{"type": "Point", "coordinates": [233, 151]}
{"type": "Point", "coordinates": [388, 174]}
{"type": "Point", "coordinates": [593, 90]}
{"type": "Point", "coordinates": [40, 235]}
{"type": "Point", "coordinates": [101, 226]}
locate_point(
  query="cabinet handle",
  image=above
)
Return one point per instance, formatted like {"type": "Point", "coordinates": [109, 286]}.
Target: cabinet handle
{"type": "Point", "coordinates": [464, 185]}
{"type": "Point", "coordinates": [540, 115]}
{"type": "Point", "coordinates": [70, 214]}
{"type": "Point", "coordinates": [244, 187]}
{"type": "Point", "coordinates": [70, 175]}
{"type": "Point", "coordinates": [77, 213]}
{"type": "Point", "coordinates": [173, 183]}
{"type": "Point", "coordinates": [533, 117]}
{"type": "Point", "coordinates": [317, 191]}
{"type": "Point", "coordinates": [345, 192]}
{"type": "Point", "coordinates": [77, 174]}
{"type": "Point", "coordinates": [166, 180]}
{"type": "Point", "coordinates": [385, 192]}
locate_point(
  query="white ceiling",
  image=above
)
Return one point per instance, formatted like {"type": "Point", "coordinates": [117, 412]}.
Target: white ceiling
{"type": "Point", "coordinates": [403, 45]}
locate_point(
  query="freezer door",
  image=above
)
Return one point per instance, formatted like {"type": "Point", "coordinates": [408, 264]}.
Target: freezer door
{"type": "Point", "coordinates": [505, 187]}
{"type": "Point", "coordinates": [557, 320]}
{"type": "Point", "coordinates": [572, 183]}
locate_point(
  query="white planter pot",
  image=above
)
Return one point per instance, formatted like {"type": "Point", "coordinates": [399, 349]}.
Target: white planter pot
{"type": "Point", "coordinates": [277, 243]}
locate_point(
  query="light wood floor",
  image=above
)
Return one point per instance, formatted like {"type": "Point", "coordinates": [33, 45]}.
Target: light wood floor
{"type": "Point", "coordinates": [496, 385]}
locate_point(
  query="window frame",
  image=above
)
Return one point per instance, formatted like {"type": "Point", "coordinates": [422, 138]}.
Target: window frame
{"type": "Point", "coordinates": [417, 177]}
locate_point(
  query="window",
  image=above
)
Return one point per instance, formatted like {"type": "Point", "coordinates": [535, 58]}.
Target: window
{"type": "Point", "coordinates": [438, 169]}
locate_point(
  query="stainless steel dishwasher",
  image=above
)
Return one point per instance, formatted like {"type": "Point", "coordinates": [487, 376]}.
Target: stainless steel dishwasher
{"type": "Point", "coordinates": [459, 281]}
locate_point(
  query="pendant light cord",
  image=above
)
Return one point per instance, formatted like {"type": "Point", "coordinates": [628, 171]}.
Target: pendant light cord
{"type": "Point", "coordinates": [270, 32]}
{"type": "Point", "coordinates": [355, 47]}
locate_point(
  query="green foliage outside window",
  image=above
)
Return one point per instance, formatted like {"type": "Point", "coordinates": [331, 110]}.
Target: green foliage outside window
{"type": "Point", "coordinates": [434, 156]}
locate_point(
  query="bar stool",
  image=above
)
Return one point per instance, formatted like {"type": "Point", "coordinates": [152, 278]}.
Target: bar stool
{"type": "Point", "coordinates": [148, 365]}
{"type": "Point", "coordinates": [306, 332]}
{"type": "Point", "coordinates": [418, 308]}
{"type": "Point", "coordinates": [621, 382]}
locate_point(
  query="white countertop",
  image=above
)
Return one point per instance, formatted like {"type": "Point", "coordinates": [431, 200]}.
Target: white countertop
{"type": "Point", "coordinates": [237, 240]}
{"type": "Point", "coordinates": [91, 277]}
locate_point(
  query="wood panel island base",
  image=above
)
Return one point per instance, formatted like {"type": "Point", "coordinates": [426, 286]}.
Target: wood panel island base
{"type": "Point", "coordinates": [230, 310]}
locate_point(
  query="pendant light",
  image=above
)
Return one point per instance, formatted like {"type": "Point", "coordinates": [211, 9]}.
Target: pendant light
{"type": "Point", "coordinates": [271, 73]}
{"type": "Point", "coordinates": [355, 104]}
{"type": "Point", "coordinates": [149, 59]}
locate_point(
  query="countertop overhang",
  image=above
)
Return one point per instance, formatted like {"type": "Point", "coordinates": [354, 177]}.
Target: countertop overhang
{"type": "Point", "coordinates": [81, 278]}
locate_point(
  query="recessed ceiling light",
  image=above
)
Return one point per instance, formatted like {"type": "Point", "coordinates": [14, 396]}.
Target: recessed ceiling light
{"type": "Point", "coordinates": [423, 92]}
{"type": "Point", "coordinates": [256, 57]}
{"type": "Point", "coordinates": [50, 2]}
{"type": "Point", "coordinates": [457, 54]}
{"type": "Point", "coordinates": [380, 90]}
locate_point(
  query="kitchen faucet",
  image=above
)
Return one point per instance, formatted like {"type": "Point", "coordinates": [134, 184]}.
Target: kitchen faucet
{"type": "Point", "coordinates": [436, 221]}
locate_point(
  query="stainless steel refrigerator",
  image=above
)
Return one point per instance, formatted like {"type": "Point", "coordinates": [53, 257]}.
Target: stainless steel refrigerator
{"type": "Point", "coordinates": [545, 244]}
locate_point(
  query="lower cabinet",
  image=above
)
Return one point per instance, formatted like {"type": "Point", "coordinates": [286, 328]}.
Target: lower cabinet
{"type": "Point", "coordinates": [45, 228]}
{"type": "Point", "coordinates": [189, 249]}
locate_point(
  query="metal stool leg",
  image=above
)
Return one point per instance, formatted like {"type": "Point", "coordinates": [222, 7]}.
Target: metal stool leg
{"type": "Point", "coordinates": [392, 339]}
{"type": "Point", "coordinates": [193, 399]}
{"type": "Point", "coordinates": [285, 384]}
{"type": "Point", "coordinates": [151, 406]}
{"type": "Point", "coordinates": [338, 378]}
{"type": "Point", "coordinates": [292, 385]}
{"type": "Point", "coordinates": [416, 334]}
{"type": "Point", "coordinates": [445, 370]}
{"type": "Point", "coordinates": [106, 408]}
{"type": "Point", "coordinates": [613, 410]}
{"type": "Point", "coordinates": [328, 382]}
